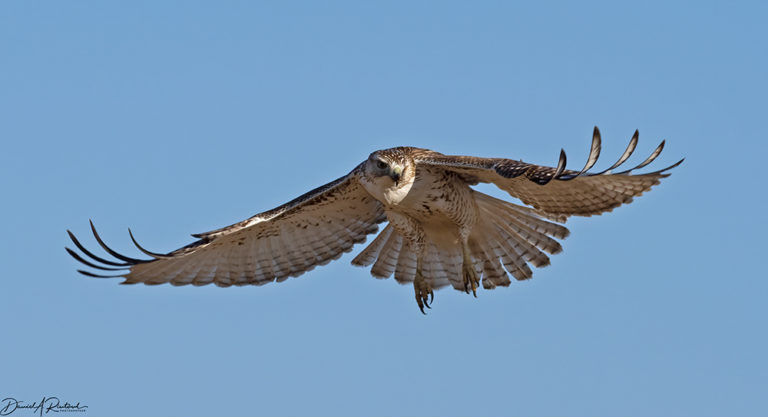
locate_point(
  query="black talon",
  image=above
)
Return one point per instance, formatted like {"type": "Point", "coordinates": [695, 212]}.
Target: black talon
{"type": "Point", "coordinates": [432, 295]}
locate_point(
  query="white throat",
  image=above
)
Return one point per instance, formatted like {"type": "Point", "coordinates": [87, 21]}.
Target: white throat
{"type": "Point", "coordinates": [385, 190]}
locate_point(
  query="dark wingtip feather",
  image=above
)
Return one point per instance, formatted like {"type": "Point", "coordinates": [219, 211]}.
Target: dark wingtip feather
{"type": "Point", "coordinates": [91, 255]}
{"type": "Point", "coordinates": [627, 153]}
{"type": "Point", "coordinates": [91, 264]}
{"type": "Point", "coordinates": [112, 252]}
{"type": "Point", "coordinates": [667, 168]}
{"type": "Point", "coordinates": [543, 178]}
{"type": "Point", "coordinates": [655, 154]}
{"type": "Point", "coordinates": [594, 154]}
{"type": "Point", "coordinates": [594, 151]}
{"type": "Point", "coordinates": [144, 251]}
{"type": "Point", "coordinates": [561, 162]}
{"type": "Point", "coordinates": [560, 167]}
{"type": "Point", "coordinates": [91, 274]}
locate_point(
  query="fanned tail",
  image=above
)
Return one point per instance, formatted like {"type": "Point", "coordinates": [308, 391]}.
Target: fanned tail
{"type": "Point", "coordinates": [505, 240]}
{"type": "Point", "coordinates": [511, 236]}
{"type": "Point", "coordinates": [388, 254]}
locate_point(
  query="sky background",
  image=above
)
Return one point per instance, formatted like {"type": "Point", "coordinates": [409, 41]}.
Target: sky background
{"type": "Point", "coordinates": [181, 117]}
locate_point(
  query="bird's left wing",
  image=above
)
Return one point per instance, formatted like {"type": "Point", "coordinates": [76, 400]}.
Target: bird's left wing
{"type": "Point", "coordinates": [287, 241]}
{"type": "Point", "coordinates": [556, 192]}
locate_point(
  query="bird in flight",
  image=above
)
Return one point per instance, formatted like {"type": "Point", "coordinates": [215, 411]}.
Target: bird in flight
{"type": "Point", "coordinates": [439, 230]}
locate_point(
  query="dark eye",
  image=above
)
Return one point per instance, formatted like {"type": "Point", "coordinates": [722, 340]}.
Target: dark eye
{"type": "Point", "coordinates": [381, 164]}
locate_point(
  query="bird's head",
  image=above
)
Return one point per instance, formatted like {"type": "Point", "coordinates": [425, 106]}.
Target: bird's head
{"type": "Point", "coordinates": [389, 166]}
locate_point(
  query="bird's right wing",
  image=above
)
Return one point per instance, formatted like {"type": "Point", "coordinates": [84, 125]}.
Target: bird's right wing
{"type": "Point", "coordinates": [287, 241]}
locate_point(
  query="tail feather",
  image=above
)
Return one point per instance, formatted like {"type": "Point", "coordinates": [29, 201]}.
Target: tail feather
{"type": "Point", "coordinates": [510, 256]}
{"type": "Point", "coordinates": [492, 270]}
{"type": "Point", "coordinates": [516, 238]}
{"type": "Point", "coordinates": [515, 235]}
{"type": "Point", "coordinates": [528, 216]}
{"type": "Point", "coordinates": [387, 261]}
{"type": "Point", "coordinates": [504, 241]}
{"type": "Point", "coordinates": [530, 219]}
{"type": "Point", "coordinates": [537, 239]}
{"type": "Point", "coordinates": [371, 252]}
{"type": "Point", "coordinates": [443, 267]}
{"type": "Point", "coordinates": [405, 271]}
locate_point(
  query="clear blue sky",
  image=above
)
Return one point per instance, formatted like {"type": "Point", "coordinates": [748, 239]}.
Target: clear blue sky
{"type": "Point", "coordinates": [180, 117]}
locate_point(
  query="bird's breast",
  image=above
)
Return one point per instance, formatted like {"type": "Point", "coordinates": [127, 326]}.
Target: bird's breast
{"type": "Point", "coordinates": [386, 191]}
{"type": "Point", "coordinates": [394, 196]}
{"type": "Point", "coordinates": [429, 195]}
{"type": "Point", "coordinates": [423, 198]}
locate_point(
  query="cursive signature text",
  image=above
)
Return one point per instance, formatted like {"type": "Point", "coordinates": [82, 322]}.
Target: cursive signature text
{"type": "Point", "coordinates": [44, 406]}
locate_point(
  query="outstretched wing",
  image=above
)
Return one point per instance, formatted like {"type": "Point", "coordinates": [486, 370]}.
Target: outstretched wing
{"type": "Point", "coordinates": [557, 192]}
{"type": "Point", "coordinates": [287, 241]}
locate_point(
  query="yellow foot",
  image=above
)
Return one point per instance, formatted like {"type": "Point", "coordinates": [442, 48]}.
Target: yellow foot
{"type": "Point", "coordinates": [471, 281]}
{"type": "Point", "coordinates": [423, 292]}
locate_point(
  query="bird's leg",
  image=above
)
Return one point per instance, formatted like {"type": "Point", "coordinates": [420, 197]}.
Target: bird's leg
{"type": "Point", "coordinates": [471, 280]}
{"type": "Point", "coordinates": [422, 288]}
{"type": "Point", "coordinates": [413, 232]}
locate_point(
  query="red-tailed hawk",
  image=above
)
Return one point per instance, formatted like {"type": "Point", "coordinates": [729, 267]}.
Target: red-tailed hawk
{"type": "Point", "coordinates": [440, 231]}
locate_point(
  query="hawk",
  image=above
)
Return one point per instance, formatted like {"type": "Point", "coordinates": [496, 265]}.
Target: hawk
{"type": "Point", "coordinates": [439, 230]}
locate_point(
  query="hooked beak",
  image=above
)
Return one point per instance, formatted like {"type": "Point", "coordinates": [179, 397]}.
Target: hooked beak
{"type": "Point", "coordinates": [395, 174]}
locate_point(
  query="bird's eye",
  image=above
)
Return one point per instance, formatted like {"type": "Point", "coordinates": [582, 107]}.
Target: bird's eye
{"type": "Point", "coordinates": [381, 164]}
